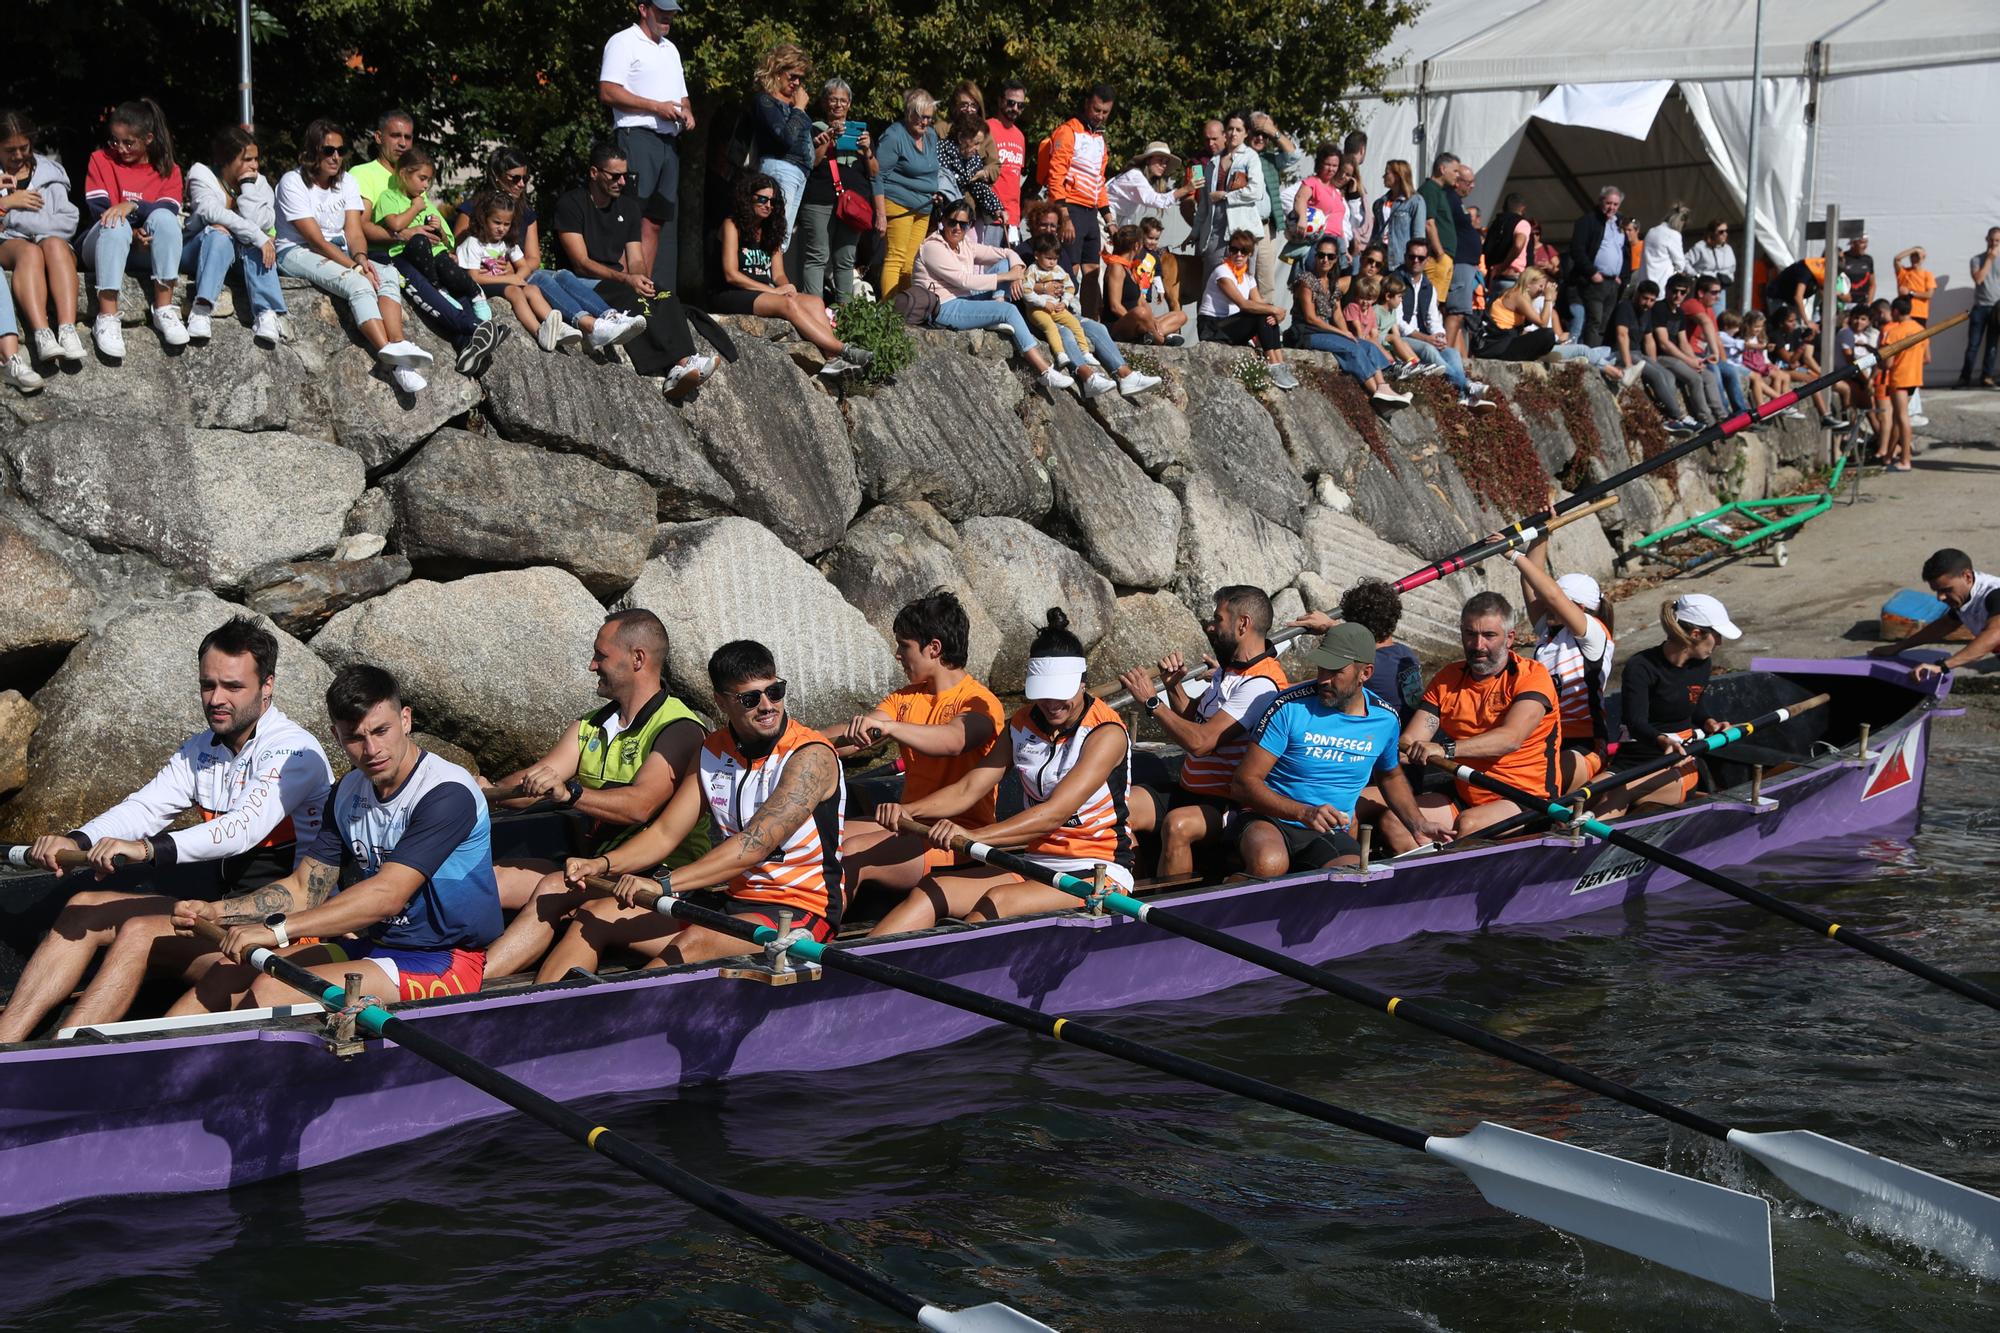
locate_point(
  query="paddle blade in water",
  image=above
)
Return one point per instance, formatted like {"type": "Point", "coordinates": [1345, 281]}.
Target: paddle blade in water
{"type": "Point", "coordinates": [1928, 1211]}
{"type": "Point", "coordinates": [1718, 1234]}
{"type": "Point", "coordinates": [994, 1318]}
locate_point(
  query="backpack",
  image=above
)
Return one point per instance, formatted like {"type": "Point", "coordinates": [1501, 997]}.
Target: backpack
{"type": "Point", "coordinates": [742, 154]}
{"type": "Point", "coordinates": [917, 305]}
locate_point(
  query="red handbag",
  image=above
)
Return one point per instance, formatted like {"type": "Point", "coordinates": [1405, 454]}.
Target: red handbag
{"type": "Point", "coordinates": [851, 208]}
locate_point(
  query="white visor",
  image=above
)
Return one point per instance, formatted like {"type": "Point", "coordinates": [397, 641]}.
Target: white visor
{"type": "Point", "coordinates": [1054, 677]}
{"type": "Point", "coordinates": [1581, 589]}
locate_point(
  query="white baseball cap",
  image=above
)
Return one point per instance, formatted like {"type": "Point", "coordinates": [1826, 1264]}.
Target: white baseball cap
{"type": "Point", "coordinates": [1054, 677]}
{"type": "Point", "coordinates": [1582, 589]}
{"type": "Point", "coordinates": [1698, 608]}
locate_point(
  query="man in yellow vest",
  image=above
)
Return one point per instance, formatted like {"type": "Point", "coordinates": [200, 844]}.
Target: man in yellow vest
{"type": "Point", "coordinates": [617, 766]}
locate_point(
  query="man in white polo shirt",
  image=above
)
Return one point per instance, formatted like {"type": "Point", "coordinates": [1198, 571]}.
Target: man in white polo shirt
{"type": "Point", "coordinates": [642, 82]}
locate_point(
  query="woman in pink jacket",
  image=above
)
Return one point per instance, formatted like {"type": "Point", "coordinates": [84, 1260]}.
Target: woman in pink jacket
{"type": "Point", "coordinates": [973, 290]}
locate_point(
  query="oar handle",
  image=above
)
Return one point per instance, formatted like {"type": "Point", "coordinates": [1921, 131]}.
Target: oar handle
{"type": "Point", "coordinates": [1699, 746]}
{"type": "Point", "coordinates": [1518, 535]}
{"type": "Point", "coordinates": [959, 842]}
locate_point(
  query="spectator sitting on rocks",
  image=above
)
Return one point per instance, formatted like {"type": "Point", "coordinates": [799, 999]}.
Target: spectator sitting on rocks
{"type": "Point", "coordinates": [1517, 329]}
{"type": "Point", "coordinates": [1321, 325]}
{"type": "Point", "coordinates": [906, 187]}
{"type": "Point", "coordinates": [822, 245]}
{"type": "Point", "coordinates": [1712, 257]}
{"type": "Point", "coordinates": [420, 247]}
{"type": "Point", "coordinates": [133, 191]}
{"type": "Point", "coordinates": [320, 242]}
{"type": "Point", "coordinates": [570, 295]}
{"type": "Point", "coordinates": [1158, 259]}
{"type": "Point", "coordinates": [37, 219]}
{"type": "Point", "coordinates": [497, 266]}
{"type": "Point", "coordinates": [1130, 280]}
{"type": "Point", "coordinates": [753, 271]}
{"type": "Point", "coordinates": [1234, 311]}
{"type": "Point", "coordinates": [1632, 353]}
{"type": "Point", "coordinates": [1792, 338]}
{"type": "Point", "coordinates": [1668, 346]}
{"type": "Point", "coordinates": [1050, 296]}
{"type": "Point", "coordinates": [1771, 379]}
{"type": "Point", "coordinates": [958, 271]}
{"type": "Point", "coordinates": [232, 214]}
{"type": "Point", "coordinates": [1662, 253]}
{"type": "Point", "coordinates": [1420, 319]}
{"type": "Point", "coordinates": [1100, 353]}
{"type": "Point", "coordinates": [781, 131]}
{"type": "Point", "coordinates": [14, 368]}
{"type": "Point", "coordinates": [1599, 263]}
{"type": "Point", "coordinates": [1388, 331]}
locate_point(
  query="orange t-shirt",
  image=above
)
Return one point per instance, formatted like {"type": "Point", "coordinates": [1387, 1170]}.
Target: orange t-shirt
{"type": "Point", "coordinates": [927, 773]}
{"type": "Point", "coordinates": [1919, 284]}
{"type": "Point", "coordinates": [1906, 369]}
{"type": "Point", "coordinates": [1468, 707]}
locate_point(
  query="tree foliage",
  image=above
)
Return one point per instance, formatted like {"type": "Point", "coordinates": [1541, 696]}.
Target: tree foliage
{"type": "Point", "coordinates": [480, 72]}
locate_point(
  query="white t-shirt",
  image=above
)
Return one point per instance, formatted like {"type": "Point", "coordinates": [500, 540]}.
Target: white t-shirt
{"type": "Point", "coordinates": [649, 69]}
{"type": "Point", "coordinates": [492, 259]}
{"type": "Point", "coordinates": [327, 205]}
{"type": "Point", "coordinates": [1215, 304]}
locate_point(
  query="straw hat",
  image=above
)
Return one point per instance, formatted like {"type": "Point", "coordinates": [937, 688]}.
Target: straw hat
{"type": "Point", "coordinates": [1157, 149]}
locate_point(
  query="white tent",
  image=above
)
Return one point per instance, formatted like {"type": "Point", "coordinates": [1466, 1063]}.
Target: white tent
{"type": "Point", "coordinates": [1888, 108]}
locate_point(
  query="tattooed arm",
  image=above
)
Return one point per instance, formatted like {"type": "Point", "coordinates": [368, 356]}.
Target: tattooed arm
{"type": "Point", "coordinates": [810, 777]}
{"type": "Point", "coordinates": [311, 884]}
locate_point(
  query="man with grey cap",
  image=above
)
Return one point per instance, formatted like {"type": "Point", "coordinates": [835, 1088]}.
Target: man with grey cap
{"type": "Point", "coordinates": [1319, 745]}
{"type": "Point", "coordinates": [1573, 640]}
{"type": "Point", "coordinates": [641, 80]}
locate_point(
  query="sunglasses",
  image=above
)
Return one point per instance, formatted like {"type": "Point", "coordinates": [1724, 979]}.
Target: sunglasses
{"type": "Point", "coordinates": [764, 199]}
{"type": "Point", "coordinates": [127, 143]}
{"type": "Point", "coordinates": [615, 175]}
{"type": "Point", "coordinates": [953, 222]}
{"type": "Point", "coordinates": [1328, 255]}
{"type": "Point", "coordinates": [332, 149]}
{"type": "Point", "coordinates": [1240, 253]}
{"type": "Point", "coordinates": [516, 178]}
{"type": "Point", "coordinates": [1017, 103]}
{"type": "Point", "coordinates": [775, 692]}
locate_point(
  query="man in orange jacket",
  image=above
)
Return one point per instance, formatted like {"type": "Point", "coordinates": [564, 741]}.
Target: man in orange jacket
{"type": "Point", "coordinates": [1074, 176]}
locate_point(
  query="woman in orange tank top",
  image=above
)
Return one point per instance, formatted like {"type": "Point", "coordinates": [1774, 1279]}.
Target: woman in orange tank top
{"type": "Point", "coordinates": [1073, 756]}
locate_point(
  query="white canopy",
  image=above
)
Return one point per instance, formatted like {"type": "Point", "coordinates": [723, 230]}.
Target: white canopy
{"type": "Point", "coordinates": [1887, 108]}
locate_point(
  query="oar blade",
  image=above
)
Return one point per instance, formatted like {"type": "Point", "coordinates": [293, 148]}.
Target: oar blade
{"type": "Point", "coordinates": [1939, 1215]}
{"type": "Point", "coordinates": [993, 1318]}
{"type": "Point", "coordinates": [1717, 1234]}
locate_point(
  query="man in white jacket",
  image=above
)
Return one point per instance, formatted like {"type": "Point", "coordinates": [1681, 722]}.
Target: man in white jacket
{"type": "Point", "coordinates": [258, 780]}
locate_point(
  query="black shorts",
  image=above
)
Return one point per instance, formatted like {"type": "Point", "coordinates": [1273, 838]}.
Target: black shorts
{"type": "Point", "coordinates": [1089, 226]}
{"type": "Point", "coordinates": [1308, 850]}
{"type": "Point", "coordinates": [763, 913]}
{"type": "Point", "coordinates": [1173, 798]}
{"type": "Point", "coordinates": [733, 301]}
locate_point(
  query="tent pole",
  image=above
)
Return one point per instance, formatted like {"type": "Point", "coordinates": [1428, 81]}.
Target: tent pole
{"type": "Point", "coordinates": [243, 106]}
{"type": "Point", "coordinates": [1815, 62]}
{"type": "Point", "coordinates": [1748, 272]}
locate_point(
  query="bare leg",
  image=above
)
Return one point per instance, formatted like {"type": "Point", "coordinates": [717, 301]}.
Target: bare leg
{"type": "Point", "coordinates": [1400, 838]}
{"type": "Point", "coordinates": [533, 930]}
{"type": "Point", "coordinates": [601, 926]}
{"type": "Point", "coordinates": [392, 320]}
{"type": "Point", "coordinates": [31, 284]}
{"type": "Point", "coordinates": [518, 882]}
{"type": "Point", "coordinates": [59, 261]}
{"type": "Point", "coordinates": [267, 991]}
{"type": "Point", "coordinates": [1477, 817]}
{"type": "Point", "coordinates": [143, 944]}
{"type": "Point", "coordinates": [87, 924]}
{"type": "Point", "coordinates": [1184, 828]}
{"type": "Point", "coordinates": [649, 243]}
{"type": "Point", "coordinates": [1264, 851]}
{"type": "Point", "coordinates": [874, 855]}
{"type": "Point", "coordinates": [1141, 814]}
{"type": "Point", "coordinates": [942, 895]}
{"type": "Point", "coordinates": [1016, 897]}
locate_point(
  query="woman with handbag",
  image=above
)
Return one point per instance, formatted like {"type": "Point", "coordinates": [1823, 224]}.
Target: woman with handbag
{"type": "Point", "coordinates": [840, 198]}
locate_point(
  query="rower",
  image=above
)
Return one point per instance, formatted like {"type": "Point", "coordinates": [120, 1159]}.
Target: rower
{"type": "Point", "coordinates": [1573, 640]}
{"type": "Point", "coordinates": [774, 790]}
{"type": "Point", "coordinates": [259, 782]}
{"type": "Point", "coordinates": [1399, 677]}
{"type": "Point", "coordinates": [1073, 757]}
{"type": "Point", "coordinates": [1971, 599]}
{"type": "Point", "coordinates": [617, 765]}
{"type": "Point", "coordinates": [412, 828]}
{"type": "Point", "coordinates": [1496, 712]}
{"type": "Point", "coordinates": [1213, 728]}
{"type": "Point", "coordinates": [943, 722]}
{"type": "Point", "coordinates": [1660, 692]}
{"type": "Point", "coordinates": [1316, 747]}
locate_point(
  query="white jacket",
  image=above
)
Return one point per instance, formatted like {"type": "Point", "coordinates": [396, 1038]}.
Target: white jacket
{"type": "Point", "coordinates": [253, 219]}
{"type": "Point", "coordinates": [245, 796]}
{"type": "Point", "coordinates": [1250, 207]}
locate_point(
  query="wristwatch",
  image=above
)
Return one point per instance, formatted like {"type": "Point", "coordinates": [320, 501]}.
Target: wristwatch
{"type": "Point", "coordinates": [1451, 749]}
{"type": "Point", "coordinates": [665, 879]}
{"type": "Point", "coordinates": [575, 791]}
{"type": "Point", "coordinates": [275, 923]}
{"type": "Point", "coordinates": [1152, 703]}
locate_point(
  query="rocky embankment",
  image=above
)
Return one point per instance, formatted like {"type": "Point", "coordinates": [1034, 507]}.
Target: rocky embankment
{"type": "Point", "coordinates": [471, 539]}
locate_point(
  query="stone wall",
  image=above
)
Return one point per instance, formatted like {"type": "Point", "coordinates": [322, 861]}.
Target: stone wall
{"type": "Point", "coordinates": [472, 538]}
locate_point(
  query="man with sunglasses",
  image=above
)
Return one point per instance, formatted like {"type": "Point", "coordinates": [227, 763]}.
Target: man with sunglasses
{"type": "Point", "coordinates": [641, 80]}
{"type": "Point", "coordinates": [773, 793]}
{"type": "Point", "coordinates": [1421, 323]}
{"type": "Point", "coordinates": [1010, 146]}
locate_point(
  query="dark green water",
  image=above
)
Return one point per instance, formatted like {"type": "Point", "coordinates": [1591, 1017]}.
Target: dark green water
{"type": "Point", "coordinates": [1096, 1196]}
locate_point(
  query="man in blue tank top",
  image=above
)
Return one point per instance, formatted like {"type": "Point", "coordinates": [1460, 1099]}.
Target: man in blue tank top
{"type": "Point", "coordinates": [413, 826]}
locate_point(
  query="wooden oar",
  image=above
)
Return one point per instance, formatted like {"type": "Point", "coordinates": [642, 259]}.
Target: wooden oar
{"type": "Point", "coordinates": [379, 1022]}
{"type": "Point", "coordinates": [1519, 537]}
{"type": "Point", "coordinates": [1717, 1234]}
{"type": "Point", "coordinates": [1898, 1200]}
{"type": "Point", "coordinates": [1722, 430]}
{"type": "Point", "coordinates": [1611, 782]}
{"type": "Point", "coordinates": [1812, 921]}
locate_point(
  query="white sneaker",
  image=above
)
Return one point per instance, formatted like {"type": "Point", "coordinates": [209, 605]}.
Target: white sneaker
{"type": "Point", "coordinates": [569, 337]}
{"type": "Point", "coordinates": [547, 336]}
{"type": "Point", "coordinates": [624, 328]}
{"type": "Point", "coordinates": [1390, 398]}
{"type": "Point", "coordinates": [409, 381]}
{"type": "Point", "coordinates": [605, 332]}
{"type": "Point", "coordinates": [109, 336]}
{"type": "Point", "coordinates": [167, 321]}
{"type": "Point", "coordinates": [17, 372]}
{"type": "Point", "coordinates": [1055, 379]}
{"type": "Point", "coordinates": [1283, 378]}
{"type": "Point", "coordinates": [404, 354]}
{"type": "Point", "coordinates": [1137, 383]}
{"type": "Point", "coordinates": [71, 343]}
{"type": "Point", "coordinates": [265, 330]}
{"type": "Point", "coordinates": [1919, 419]}
{"type": "Point", "coordinates": [1098, 385]}
{"type": "Point", "coordinates": [706, 363]}
{"type": "Point", "coordinates": [47, 349]}
{"type": "Point", "coordinates": [199, 327]}
{"type": "Point", "coordinates": [1477, 388]}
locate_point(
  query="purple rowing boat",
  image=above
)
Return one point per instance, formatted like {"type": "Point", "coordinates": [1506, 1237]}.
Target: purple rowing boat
{"type": "Point", "coordinates": [238, 1101]}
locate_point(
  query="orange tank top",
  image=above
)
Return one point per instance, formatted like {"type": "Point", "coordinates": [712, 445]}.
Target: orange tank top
{"type": "Point", "coordinates": [927, 773]}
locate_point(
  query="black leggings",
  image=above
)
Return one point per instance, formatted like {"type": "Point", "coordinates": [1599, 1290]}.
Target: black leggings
{"type": "Point", "coordinates": [1241, 329]}
{"type": "Point", "coordinates": [1529, 344]}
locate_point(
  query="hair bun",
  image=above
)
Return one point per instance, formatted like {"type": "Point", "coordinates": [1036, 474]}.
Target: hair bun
{"type": "Point", "coordinates": [1058, 618]}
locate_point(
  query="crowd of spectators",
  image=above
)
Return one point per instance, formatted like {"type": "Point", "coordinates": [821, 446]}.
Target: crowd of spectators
{"type": "Point", "coordinates": [951, 210]}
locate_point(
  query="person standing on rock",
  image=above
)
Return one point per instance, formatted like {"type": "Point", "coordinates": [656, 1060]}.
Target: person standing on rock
{"type": "Point", "coordinates": [1971, 599]}
{"type": "Point", "coordinates": [1213, 728]}
{"type": "Point", "coordinates": [641, 80]}
{"type": "Point", "coordinates": [773, 790]}
{"type": "Point", "coordinates": [411, 829]}
{"type": "Point", "coordinates": [258, 780]}
{"type": "Point", "coordinates": [616, 767]}
{"type": "Point", "coordinates": [1072, 755]}
{"type": "Point", "coordinates": [944, 723]}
